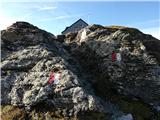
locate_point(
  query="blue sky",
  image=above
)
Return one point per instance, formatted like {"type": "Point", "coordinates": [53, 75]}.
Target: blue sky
{"type": "Point", "coordinates": [55, 16]}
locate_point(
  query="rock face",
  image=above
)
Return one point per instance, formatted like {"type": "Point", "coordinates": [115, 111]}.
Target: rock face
{"type": "Point", "coordinates": [92, 85]}
{"type": "Point", "coordinates": [136, 75]}
{"type": "Point", "coordinates": [28, 56]}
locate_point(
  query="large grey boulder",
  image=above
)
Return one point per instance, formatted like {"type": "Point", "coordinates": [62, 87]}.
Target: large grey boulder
{"type": "Point", "coordinates": [135, 76]}
{"type": "Point", "coordinates": [32, 54]}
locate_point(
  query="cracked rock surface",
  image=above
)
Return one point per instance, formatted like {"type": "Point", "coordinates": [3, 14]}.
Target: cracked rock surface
{"type": "Point", "coordinates": [27, 66]}
{"type": "Point", "coordinates": [92, 86]}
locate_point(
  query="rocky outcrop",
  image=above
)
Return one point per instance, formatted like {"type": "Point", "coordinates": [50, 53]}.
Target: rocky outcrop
{"type": "Point", "coordinates": [136, 76]}
{"type": "Point", "coordinates": [92, 86]}
{"type": "Point", "coordinates": [31, 55]}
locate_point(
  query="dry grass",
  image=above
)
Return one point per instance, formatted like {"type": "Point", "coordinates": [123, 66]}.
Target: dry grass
{"type": "Point", "coordinates": [116, 27]}
{"type": "Point", "coordinates": [10, 113]}
{"type": "Point", "coordinates": [96, 27]}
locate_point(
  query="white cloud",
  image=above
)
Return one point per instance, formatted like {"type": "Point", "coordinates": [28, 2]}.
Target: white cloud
{"type": "Point", "coordinates": [54, 18]}
{"type": "Point", "coordinates": [44, 8]}
{"type": "Point", "coordinates": [155, 32]}
{"type": "Point", "coordinates": [48, 8]}
{"type": "Point", "coordinates": [61, 17]}
{"type": "Point", "coordinates": [7, 20]}
{"type": "Point", "coordinates": [30, 5]}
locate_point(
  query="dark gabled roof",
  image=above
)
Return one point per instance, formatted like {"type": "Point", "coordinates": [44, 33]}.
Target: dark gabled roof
{"type": "Point", "coordinates": [74, 23]}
